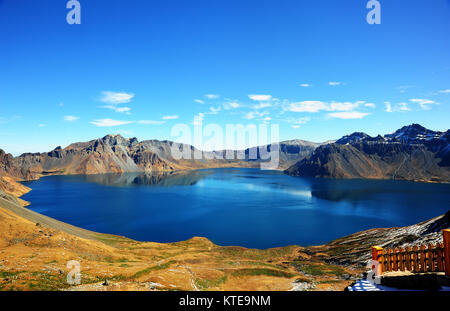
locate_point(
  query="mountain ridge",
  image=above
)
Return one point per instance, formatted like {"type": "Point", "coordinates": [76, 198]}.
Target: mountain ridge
{"type": "Point", "coordinates": [116, 154]}
{"type": "Point", "coordinates": [411, 153]}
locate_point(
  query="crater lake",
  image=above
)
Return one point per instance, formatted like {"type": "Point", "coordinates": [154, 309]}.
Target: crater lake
{"type": "Point", "coordinates": [241, 207]}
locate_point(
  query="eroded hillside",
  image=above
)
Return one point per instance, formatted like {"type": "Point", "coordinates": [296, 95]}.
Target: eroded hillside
{"type": "Point", "coordinates": [35, 250]}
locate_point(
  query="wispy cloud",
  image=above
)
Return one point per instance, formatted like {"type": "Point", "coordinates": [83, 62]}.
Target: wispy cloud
{"type": "Point", "coordinates": [424, 103]}
{"type": "Point", "coordinates": [71, 118]}
{"type": "Point", "coordinates": [348, 115]}
{"type": "Point", "coordinates": [170, 117]}
{"type": "Point", "coordinates": [151, 122]}
{"type": "Point", "coordinates": [334, 83]}
{"type": "Point", "coordinates": [212, 96]}
{"type": "Point", "coordinates": [255, 114]}
{"type": "Point", "coordinates": [305, 85]}
{"type": "Point", "coordinates": [370, 105]}
{"type": "Point", "coordinates": [307, 106]}
{"type": "Point", "coordinates": [400, 107]}
{"type": "Point", "coordinates": [199, 101]}
{"type": "Point", "coordinates": [403, 107]}
{"type": "Point", "coordinates": [388, 106]}
{"type": "Point", "coordinates": [110, 122]}
{"type": "Point", "coordinates": [231, 105]}
{"type": "Point", "coordinates": [317, 106]}
{"type": "Point", "coordinates": [262, 105]}
{"type": "Point", "coordinates": [447, 91]}
{"type": "Point", "coordinates": [345, 106]}
{"type": "Point", "coordinates": [298, 121]}
{"type": "Point", "coordinates": [116, 98]}
{"type": "Point", "coordinates": [260, 97]}
{"type": "Point", "coordinates": [118, 109]}
{"type": "Point", "coordinates": [41, 125]}
{"type": "Point", "coordinates": [214, 110]}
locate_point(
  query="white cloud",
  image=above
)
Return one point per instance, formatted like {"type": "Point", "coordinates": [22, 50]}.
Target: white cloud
{"type": "Point", "coordinates": [307, 106]}
{"type": "Point", "coordinates": [262, 105]}
{"type": "Point", "coordinates": [212, 96]}
{"type": "Point", "coordinates": [115, 98]}
{"type": "Point", "coordinates": [388, 106]}
{"type": "Point", "coordinates": [255, 114]}
{"type": "Point", "coordinates": [151, 122]}
{"type": "Point", "coordinates": [400, 107]}
{"type": "Point", "coordinates": [213, 110]}
{"type": "Point", "coordinates": [346, 106]}
{"type": "Point", "coordinates": [298, 121]}
{"type": "Point", "coordinates": [260, 97]}
{"type": "Point", "coordinates": [316, 106]}
{"type": "Point", "coordinates": [424, 103]}
{"type": "Point", "coordinates": [334, 83]}
{"type": "Point", "coordinates": [348, 115]}
{"type": "Point", "coordinates": [403, 107]}
{"type": "Point", "coordinates": [370, 105]}
{"type": "Point", "coordinates": [305, 85]}
{"type": "Point", "coordinates": [123, 109]}
{"type": "Point", "coordinates": [199, 101]}
{"type": "Point", "coordinates": [170, 117]}
{"type": "Point", "coordinates": [250, 116]}
{"type": "Point", "coordinates": [118, 109]}
{"type": "Point", "coordinates": [231, 105]}
{"type": "Point", "coordinates": [41, 125]}
{"type": "Point", "coordinates": [447, 91]}
{"type": "Point", "coordinates": [110, 122]}
{"type": "Point", "coordinates": [71, 118]}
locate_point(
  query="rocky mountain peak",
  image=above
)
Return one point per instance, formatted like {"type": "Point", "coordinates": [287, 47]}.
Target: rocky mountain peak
{"type": "Point", "coordinates": [414, 133]}
{"type": "Point", "coordinates": [352, 138]}
{"type": "Point", "coordinates": [115, 140]}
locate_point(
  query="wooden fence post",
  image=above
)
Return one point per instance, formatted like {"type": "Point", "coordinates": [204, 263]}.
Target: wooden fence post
{"type": "Point", "coordinates": [376, 252]}
{"type": "Point", "coordinates": [446, 236]}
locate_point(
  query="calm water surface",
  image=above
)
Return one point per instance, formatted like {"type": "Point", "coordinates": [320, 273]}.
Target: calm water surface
{"type": "Point", "coordinates": [245, 207]}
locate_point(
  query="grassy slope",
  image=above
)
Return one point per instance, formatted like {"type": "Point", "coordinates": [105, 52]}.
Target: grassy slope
{"type": "Point", "coordinates": [34, 257]}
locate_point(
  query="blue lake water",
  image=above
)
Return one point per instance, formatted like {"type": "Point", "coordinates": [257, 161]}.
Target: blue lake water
{"type": "Point", "coordinates": [245, 207]}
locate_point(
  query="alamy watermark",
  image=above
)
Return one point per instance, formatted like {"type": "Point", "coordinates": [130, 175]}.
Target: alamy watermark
{"type": "Point", "coordinates": [74, 15]}
{"type": "Point", "coordinates": [227, 143]}
{"type": "Point", "coordinates": [74, 275]}
{"type": "Point", "coordinates": [374, 16]}
{"type": "Point", "coordinates": [373, 276]}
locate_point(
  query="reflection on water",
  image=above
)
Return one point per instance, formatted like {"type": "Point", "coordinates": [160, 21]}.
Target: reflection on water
{"type": "Point", "coordinates": [354, 190]}
{"type": "Point", "coordinates": [246, 207]}
{"type": "Point", "coordinates": [166, 179]}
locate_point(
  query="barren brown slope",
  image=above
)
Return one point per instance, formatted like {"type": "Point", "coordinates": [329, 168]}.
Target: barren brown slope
{"type": "Point", "coordinates": [10, 174]}
{"type": "Point", "coordinates": [35, 250]}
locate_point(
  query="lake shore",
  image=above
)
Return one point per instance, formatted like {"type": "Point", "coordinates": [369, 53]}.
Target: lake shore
{"type": "Point", "coordinates": [35, 250]}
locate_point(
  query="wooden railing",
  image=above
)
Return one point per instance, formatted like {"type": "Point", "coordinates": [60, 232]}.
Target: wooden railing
{"type": "Point", "coordinates": [429, 258]}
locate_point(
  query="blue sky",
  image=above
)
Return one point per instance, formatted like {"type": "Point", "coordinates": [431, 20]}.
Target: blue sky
{"type": "Point", "coordinates": [137, 68]}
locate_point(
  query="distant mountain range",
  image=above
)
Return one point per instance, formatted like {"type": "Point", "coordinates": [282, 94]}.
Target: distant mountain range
{"type": "Point", "coordinates": [411, 153]}
{"type": "Point", "coordinates": [116, 154]}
